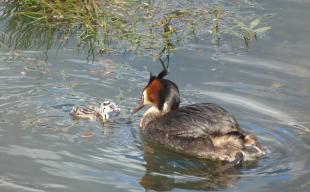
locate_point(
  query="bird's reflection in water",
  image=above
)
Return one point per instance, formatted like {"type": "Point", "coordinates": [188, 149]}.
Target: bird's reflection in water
{"type": "Point", "coordinates": [166, 170]}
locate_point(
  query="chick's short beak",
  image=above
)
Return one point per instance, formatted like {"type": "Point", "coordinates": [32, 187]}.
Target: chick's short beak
{"type": "Point", "coordinates": [138, 106]}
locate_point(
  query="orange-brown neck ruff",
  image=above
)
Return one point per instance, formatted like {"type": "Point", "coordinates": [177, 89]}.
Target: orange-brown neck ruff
{"type": "Point", "coordinates": [153, 91]}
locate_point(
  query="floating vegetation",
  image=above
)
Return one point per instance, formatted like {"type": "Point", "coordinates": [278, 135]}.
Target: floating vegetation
{"type": "Point", "coordinates": [144, 27]}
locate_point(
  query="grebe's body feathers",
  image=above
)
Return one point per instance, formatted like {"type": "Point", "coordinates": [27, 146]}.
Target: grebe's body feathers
{"type": "Point", "coordinates": [202, 130]}
{"type": "Point", "coordinates": [196, 120]}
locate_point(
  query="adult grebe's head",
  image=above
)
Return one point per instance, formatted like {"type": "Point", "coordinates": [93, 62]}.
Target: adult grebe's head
{"type": "Point", "coordinates": [160, 93]}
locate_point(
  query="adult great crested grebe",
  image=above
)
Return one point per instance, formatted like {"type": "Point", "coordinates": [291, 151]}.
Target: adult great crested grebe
{"type": "Point", "coordinates": [202, 130]}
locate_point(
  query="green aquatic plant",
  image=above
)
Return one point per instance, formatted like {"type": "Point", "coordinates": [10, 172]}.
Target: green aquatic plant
{"type": "Point", "coordinates": [142, 26]}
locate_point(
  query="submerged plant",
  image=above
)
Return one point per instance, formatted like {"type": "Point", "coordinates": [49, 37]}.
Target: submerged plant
{"type": "Point", "coordinates": [144, 26]}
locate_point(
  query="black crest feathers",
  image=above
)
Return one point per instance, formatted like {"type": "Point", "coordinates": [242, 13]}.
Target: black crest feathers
{"type": "Point", "coordinates": [152, 77]}
{"type": "Point", "coordinates": [162, 74]}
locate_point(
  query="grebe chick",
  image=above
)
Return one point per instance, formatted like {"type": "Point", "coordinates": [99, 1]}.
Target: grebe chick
{"type": "Point", "coordinates": [202, 130]}
{"type": "Point", "coordinates": [103, 112]}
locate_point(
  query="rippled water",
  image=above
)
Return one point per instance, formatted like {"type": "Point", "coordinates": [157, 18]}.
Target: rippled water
{"type": "Point", "coordinates": [266, 87]}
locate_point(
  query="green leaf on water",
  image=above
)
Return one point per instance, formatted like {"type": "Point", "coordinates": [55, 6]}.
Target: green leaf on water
{"type": "Point", "coordinates": [262, 29]}
{"type": "Point", "coordinates": [254, 23]}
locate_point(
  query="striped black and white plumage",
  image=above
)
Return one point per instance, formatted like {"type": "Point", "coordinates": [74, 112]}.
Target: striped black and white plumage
{"type": "Point", "coordinates": [103, 112]}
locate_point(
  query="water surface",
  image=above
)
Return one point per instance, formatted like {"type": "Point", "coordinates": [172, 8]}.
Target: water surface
{"type": "Point", "coordinates": [266, 87]}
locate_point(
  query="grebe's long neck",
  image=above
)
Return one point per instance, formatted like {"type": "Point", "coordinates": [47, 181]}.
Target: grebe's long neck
{"type": "Point", "coordinates": [151, 114]}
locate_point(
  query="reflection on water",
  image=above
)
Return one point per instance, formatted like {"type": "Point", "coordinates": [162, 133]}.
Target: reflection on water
{"type": "Point", "coordinates": [147, 27]}
{"type": "Point", "coordinates": [166, 171]}
{"type": "Point", "coordinates": [266, 88]}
